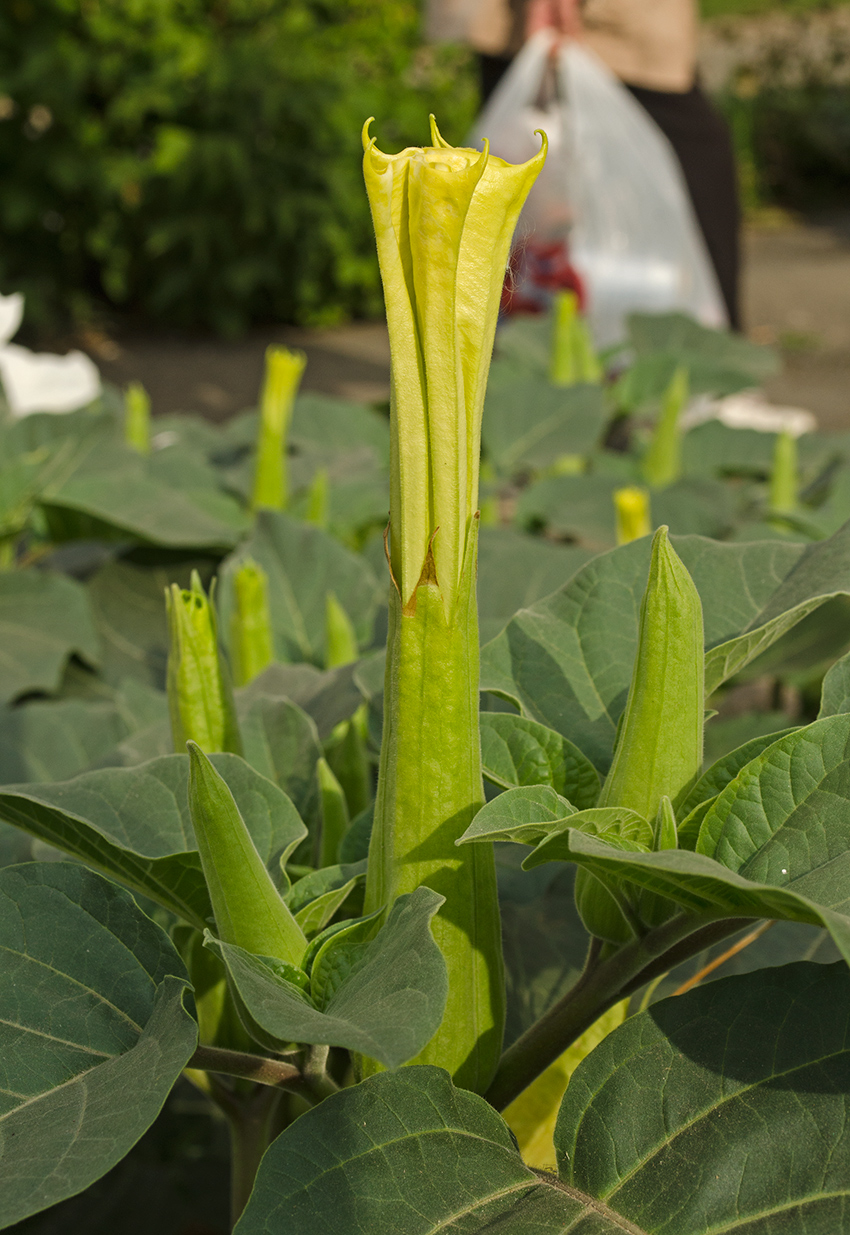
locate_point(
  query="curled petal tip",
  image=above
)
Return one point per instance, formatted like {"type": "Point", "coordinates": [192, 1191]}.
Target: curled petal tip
{"type": "Point", "coordinates": [437, 139]}
{"type": "Point", "coordinates": [544, 144]}
{"type": "Point", "coordinates": [364, 134]}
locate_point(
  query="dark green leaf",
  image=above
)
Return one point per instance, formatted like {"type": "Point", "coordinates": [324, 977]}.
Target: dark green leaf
{"type": "Point", "coordinates": [327, 697]}
{"type": "Point", "coordinates": [408, 1154]}
{"type": "Point", "coordinates": [44, 619]}
{"type": "Point", "coordinates": [724, 1109]}
{"type": "Point", "coordinates": [515, 570]}
{"type": "Point", "coordinates": [516, 751]}
{"type": "Point", "coordinates": [93, 1028]}
{"type": "Point", "coordinates": [528, 422]}
{"type": "Point", "coordinates": [567, 661]}
{"type": "Point", "coordinates": [835, 696]}
{"type": "Point", "coordinates": [303, 564]}
{"type": "Point", "coordinates": [281, 742]}
{"type": "Point", "coordinates": [134, 824]}
{"type": "Point", "coordinates": [44, 741]}
{"type": "Point", "coordinates": [387, 1003]}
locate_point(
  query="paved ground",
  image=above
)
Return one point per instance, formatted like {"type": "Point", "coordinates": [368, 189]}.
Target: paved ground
{"type": "Point", "coordinates": [796, 295]}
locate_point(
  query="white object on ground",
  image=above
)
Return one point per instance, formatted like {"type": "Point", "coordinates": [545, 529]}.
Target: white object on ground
{"type": "Point", "coordinates": [749, 409]}
{"type": "Point", "coordinates": [41, 381]}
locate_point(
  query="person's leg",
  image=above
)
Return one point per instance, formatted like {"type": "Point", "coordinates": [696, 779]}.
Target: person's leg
{"type": "Point", "coordinates": [491, 70]}
{"type": "Point", "coordinates": [703, 145]}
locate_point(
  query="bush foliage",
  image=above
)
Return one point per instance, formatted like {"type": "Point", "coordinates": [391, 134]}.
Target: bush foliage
{"type": "Point", "coordinates": [198, 161]}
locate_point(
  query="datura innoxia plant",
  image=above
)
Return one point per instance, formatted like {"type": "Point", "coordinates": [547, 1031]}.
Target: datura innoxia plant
{"type": "Point", "coordinates": [444, 219]}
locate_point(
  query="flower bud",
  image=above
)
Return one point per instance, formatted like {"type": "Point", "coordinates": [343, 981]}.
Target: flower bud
{"type": "Point", "coordinates": [137, 418]}
{"type": "Point", "coordinates": [633, 518]}
{"type": "Point", "coordinates": [200, 696]}
{"type": "Point", "coordinates": [662, 463]}
{"type": "Point", "coordinates": [283, 376]}
{"type": "Point", "coordinates": [251, 638]}
{"type": "Point", "coordinates": [574, 358]}
{"type": "Point", "coordinates": [782, 497]}
{"type": "Point", "coordinates": [659, 745]}
{"type": "Point", "coordinates": [247, 906]}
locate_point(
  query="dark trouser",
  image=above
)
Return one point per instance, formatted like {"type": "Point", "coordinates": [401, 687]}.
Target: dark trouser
{"type": "Point", "coordinates": [703, 145]}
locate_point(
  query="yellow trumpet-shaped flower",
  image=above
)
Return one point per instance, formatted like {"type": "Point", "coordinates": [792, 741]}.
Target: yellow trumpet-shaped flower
{"type": "Point", "coordinates": [443, 218]}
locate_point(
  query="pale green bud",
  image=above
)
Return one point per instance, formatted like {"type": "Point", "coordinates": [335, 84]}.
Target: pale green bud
{"type": "Point", "coordinates": [341, 646]}
{"type": "Point", "coordinates": [283, 376]}
{"type": "Point", "coordinates": [659, 746]}
{"type": "Point", "coordinates": [137, 418]}
{"type": "Point", "coordinates": [783, 494]}
{"type": "Point", "coordinates": [200, 696]}
{"type": "Point", "coordinates": [574, 358]}
{"type": "Point", "coordinates": [662, 463]}
{"type": "Point", "coordinates": [633, 516]}
{"type": "Point", "coordinates": [251, 638]}
{"type": "Point", "coordinates": [247, 907]}
{"type": "Point", "coordinates": [335, 819]}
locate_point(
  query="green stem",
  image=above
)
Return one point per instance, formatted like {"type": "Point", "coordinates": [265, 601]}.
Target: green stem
{"type": "Point", "coordinates": [604, 981]}
{"type": "Point", "coordinates": [250, 1120]}
{"type": "Point", "coordinates": [429, 790]}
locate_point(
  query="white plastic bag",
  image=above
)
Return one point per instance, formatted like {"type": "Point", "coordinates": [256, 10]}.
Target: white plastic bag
{"type": "Point", "coordinates": [612, 191]}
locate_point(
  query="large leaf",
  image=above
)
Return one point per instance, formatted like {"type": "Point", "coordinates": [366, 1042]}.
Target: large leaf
{"type": "Point", "coordinates": [721, 1110]}
{"type": "Point", "coordinates": [567, 661]}
{"type": "Point", "coordinates": [528, 422]}
{"type": "Point", "coordinates": [405, 1154]}
{"type": "Point", "coordinates": [517, 751]}
{"type": "Point", "coordinates": [173, 502]}
{"type": "Point", "coordinates": [515, 570]}
{"type": "Point", "coordinates": [54, 740]}
{"type": "Point", "coordinates": [281, 741]}
{"type": "Point", "coordinates": [821, 573]}
{"type": "Point", "coordinates": [44, 619]}
{"type": "Point", "coordinates": [383, 996]}
{"type": "Point", "coordinates": [134, 824]}
{"type": "Point", "coordinates": [93, 1030]}
{"type": "Point", "coordinates": [303, 564]}
{"type": "Point", "coordinates": [128, 603]}
{"type": "Point", "coordinates": [582, 508]}
{"type": "Point", "coordinates": [835, 695]}
{"type": "Point", "coordinates": [327, 696]}
{"type": "Point", "coordinates": [773, 844]}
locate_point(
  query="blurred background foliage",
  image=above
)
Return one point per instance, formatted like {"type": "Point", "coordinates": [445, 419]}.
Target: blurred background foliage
{"type": "Point", "coordinates": [197, 162]}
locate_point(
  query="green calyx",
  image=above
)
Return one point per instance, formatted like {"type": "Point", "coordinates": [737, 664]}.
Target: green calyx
{"type": "Point", "coordinates": [784, 479]}
{"type": "Point", "coordinates": [662, 463]}
{"type": "Point", "coordinates": [574, 358]}
{"type": "Point", "coordinates": [659, 746]}
{"type": "Point", "coordinates": [251, 638]}
{"type": "Point", "coordinates": [137, 418]}
{"type": "Point", "coordinates": [247, 907]}
{"type": "Point", "coordinates": [631, 506]}
{"type": "Point", "coordinates": [200, 695]}
{"type": "Point", "coordinates": [284, 369]}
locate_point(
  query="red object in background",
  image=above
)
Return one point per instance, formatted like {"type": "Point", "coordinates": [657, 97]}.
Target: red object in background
{"type": "Point", "coordinates": [536, 270]}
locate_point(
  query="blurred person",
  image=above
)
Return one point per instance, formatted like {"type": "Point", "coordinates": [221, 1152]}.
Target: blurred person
{"type": "Point", "coordinates": [651, 46]}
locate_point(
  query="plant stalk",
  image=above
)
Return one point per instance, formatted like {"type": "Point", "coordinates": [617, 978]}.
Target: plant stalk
{"type": "Point", "coordinates": [603, 982]}
{"type": "Point", "coordinates": [429, 790]}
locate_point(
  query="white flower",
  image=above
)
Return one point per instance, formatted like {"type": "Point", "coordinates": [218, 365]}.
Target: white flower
{"type": "Point", "coordinates": [41, 381]}
{"type": "Point", "coordinates": [749, 409]}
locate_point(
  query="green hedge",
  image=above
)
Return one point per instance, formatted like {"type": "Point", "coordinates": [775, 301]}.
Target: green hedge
{"type": "Point", "coordinates": [197, 162]}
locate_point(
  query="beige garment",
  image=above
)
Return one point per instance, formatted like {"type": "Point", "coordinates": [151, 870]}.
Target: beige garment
{"type": "Point", "coordinates": [649, 43]}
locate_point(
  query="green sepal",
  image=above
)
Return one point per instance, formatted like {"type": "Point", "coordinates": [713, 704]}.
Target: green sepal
{"type": "Point", "coordinates": [247, 907]}
{"type": "Point", "coordinates": [200, 693]}
{"type": "Point", "coordinates": [283, 376]}
{"type": "Point", "coordinates": [251, 636]}
{"type": "Point", "coordinates": [335, 818]}
{"type": "Point", "coordinates": [137, 418]}
{"type": "Point", "coordinates": [784, 475]}
{"type": "Point", "coordinates": [662, 463]}
{"type": "Point", "coordinates": [660, 738]}
{"type": "Point", "coordinates": [429, 790]}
